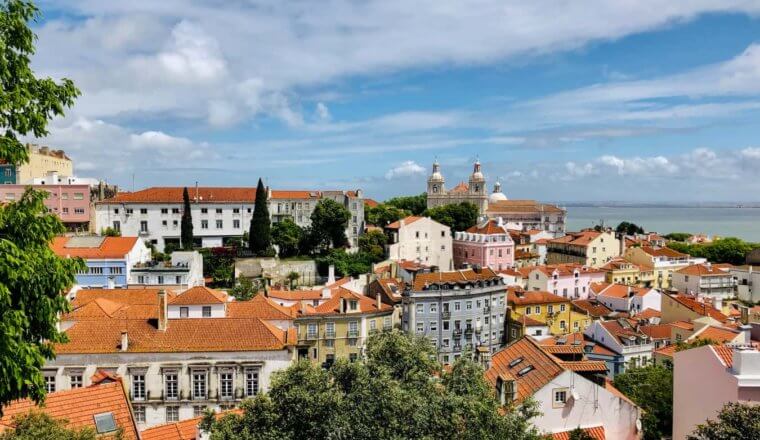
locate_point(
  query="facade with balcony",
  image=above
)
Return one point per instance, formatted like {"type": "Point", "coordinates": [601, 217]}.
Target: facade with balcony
{"type": "Point", "coordinates": [184, 270]}
{"type": "Point", "coordinates": [587, 248]}
{"type": "Point", "coordinates": [622, 336]}
{"type": "Point", "coordinates": [661, 261]}
{"type": "Point", "coordinates": [109, 260]}
{"type": "Point", "coordinates": [705, 280]}
{"type": "Point", "coordinates": [461, 312]}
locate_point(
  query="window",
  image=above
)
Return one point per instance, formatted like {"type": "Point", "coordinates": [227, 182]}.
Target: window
{"type": "Point", "coordinates": [142, 210]}
{"type": "Point", "coordinates": [549, 309]}
{"type": "Point", "coordinates": [420, 327]}
{"type": "Point", "coordinates": [183, 312]}
{"type": "Point", "coordinates": [199, 384]}
{"type": "Point", "coordinates": [373, 325]}
{"type": "Point", "coordinates": [433, 326]}
{"type": "Point", "coordinates": [561, 307]}
{"type": "Point", "coordinates": [116, 271]}
{"type": "Point", "coordinates": [353, 329]}
{"type": "Point", "coordinates": [420, 308]}
{"type": "Point", "coordinates": [198, 410]}
{"type": "Point", "coordinates": [560, 397]}
{"type": "Point", "coordinates": [160, 279]}
{"type": "Point", "coordinates": [164, 210]}
{"type": "Point", "coordinates": [236, 210]}
{"type": "Point", "coordinates": [171, 385]}
{"type": "Point", "coordinates": [225, 385]}
{"type": "Point", "coordinates": [218, 210]}
{"type": "Point", "coordinates": [236, 224]}
{"type": "Point", "coordinates": [175, 210]}
{"type": "Point", "coordinates": [95, 270]}
{"type": "Point", "coordinates": [143, 226]}
{"type": "Point", "coordinates": [174, 224]}
{"type": "Point", "coordinates": [138, 386]}
{"type": "Point", "coordinates": [206, 311]}
{"type": "Point", "coordinates": [330, 329]}
{"type": "Point", "coordinates": [538, 310]}
{"type": "Point", "coordinates": [164, 223]}
{"type": "Point", "coordinates": [457, 306]}
{"type": "Point", "coordinates": [433, 308]}
{"type": "Point", "coordinates": [172, 413]}
{"type": "Point", "coordinates": [76, 380]}
{"type": "Point", "coordinates": [65, 210]}
{"type": "Point", "coordinates": [527, 310]}
{"type": "Point", "coordinates": [204, 210]}
{"type": "Point", "coordinates": [80, 196]}
{"type": "Point", "coordinates": [104, 423]}
{"type": "Point", "coordinates": [353, 305]}
{"type": "Point", "coordinates": [352, 357]}
{"type": "Point", "coordinates": [117, 225]}
{"type": "Point", "coordinates": [445, 325]}
{"type": "Point", "coordinates": [251, 382]}
{"type": "Point", "coordinates": [562, 324]}
{"type": "Point", "coordinates": [204, 224]}
{"type": "Point", "coordinates": [468, 305]}
{"type": "Point", "coordinates": [130, 211]}
{"type": "Point", "coordinates": [387, 322]}
{"type": "Point", "coordinates": [178, 279]}
{"type": "Point", "coordinates": [445, 343]}
{"type": "Point", "coordinates": [139, 414]}
{"type": "Point", "coordinates": [219, 224]}
{"type": "Point", "coordinates": [312, 331]}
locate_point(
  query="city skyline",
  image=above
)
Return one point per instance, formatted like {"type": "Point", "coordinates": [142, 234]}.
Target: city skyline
{"type": "Point", "coordinates": [637, 103]}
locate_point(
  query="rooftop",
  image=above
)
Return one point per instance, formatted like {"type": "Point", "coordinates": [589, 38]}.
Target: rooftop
{"type": "Point", "coordinates": [458, 277]}
{"type": "Point", "coordinates": [704, 270]}
{"type": "Point", "coordinates": [199, 295]}
{"type": "Point", "coordinates": [404, 222]}
{"type": "Point", "coordinates": [520, 297]}
{"type": "Point", "coordinates": [583, 238]}
{"type": "Point", "coordinates": [93, 247]}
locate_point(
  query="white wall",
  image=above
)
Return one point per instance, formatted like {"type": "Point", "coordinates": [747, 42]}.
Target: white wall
{"type": "Point", "coordinates": [434, 243]}
{"type": "Point", "coordinates": [196, 311]}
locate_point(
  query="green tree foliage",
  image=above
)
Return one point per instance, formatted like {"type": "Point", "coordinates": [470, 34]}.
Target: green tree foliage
{"type": "Point", "coordinates": [735, 421]}
{"type": "Point", "coordinates": [694, 343]}
{"type": "Point", "coordinates": [219, 264]}
{"type": "Point", "coordinates": [629, 228]}
{"type": "Point", "coordinates": [244, 290]}
{"type": "Point", "coordinates": [457, 216]}
{"type": "Point", "coordinates": [40, 426]}
{"type": "Point", "coordinates": [651, 387]}
{"type": "Point", "coordinates": [346, 264]}
{"type": "Point", "coordinates": [29, 302]}
{"type": "Point", "coordinates": [677, 236]}
{"type": "Point", "coordinates": [287, 235]}
{"type": "Point", "coordinates": [259, 237]}
{"type": "Point", "coordinates": [726, 250]}
{"type": "Point", "coordinates": [110, 232]}
{"type": "Point", "coordinates": [293, 278]}
{"type": "Point", "coordinates": [384, 214]}
{"type": "Point", "coordinates": [186, 227]}
{"type": "Point", "coordinates": [393, 394]}
{"type": "Point", "coordinates": [414, 204]}
{"type": "Point", "coordinates": [328, 224]}
{"type": "Point", "coordinates": [579, 434]}
{"type": "Point", "coordinates": [373, 243]}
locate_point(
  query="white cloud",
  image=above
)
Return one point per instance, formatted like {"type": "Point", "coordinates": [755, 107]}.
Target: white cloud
{"type": "Point", "coordinates": [322, 112]}
{"type": "Point", "coordinates": [408, 168]}
{"type": "Point", "coordinates": [639, 165]}
{"type": "Point", "coordinates": [579, 170]}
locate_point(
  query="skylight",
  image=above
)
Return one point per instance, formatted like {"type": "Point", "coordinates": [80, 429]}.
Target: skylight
{"type": "Point", "coordinates": [105, 422]}
{"type": "Point", "coordinates": [525, 370]}
{"type": "Point", "coordinates": [515, 362]}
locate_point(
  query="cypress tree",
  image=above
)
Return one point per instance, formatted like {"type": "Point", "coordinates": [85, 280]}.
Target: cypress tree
{"type": "Point", "coordinates": [259, 236]}
{"type": "Point", "coordinates": [187, 223]}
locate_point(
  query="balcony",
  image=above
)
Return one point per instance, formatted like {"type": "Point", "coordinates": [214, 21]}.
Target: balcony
{"type": "Point", "coordinates": [468, 332]}
{"type": "Point", "coordinates": [311, 336]}
{"type": "Point", "coordinates": [143, 232]}
{"type": "Point", "coordinates": [457, 332]}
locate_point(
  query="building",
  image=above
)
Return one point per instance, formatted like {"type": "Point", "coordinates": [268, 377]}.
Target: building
{"type": "Point", "coordinates": [587, 248]}
{"type": "Point", "coordinates": [526, 252]}
{"type": "Point", "coordinates": [623, 337]}
{"type": "Point", "coordinates": [577, 346]}
{"type": "Point", "coordinates": [705, 280]}
{"type": "Point", "coordinates": [178, 353]}
{"type": "Point", "coordinates": [486, 245]}
{"type": "Point", "coordinates": [102, 406]}
{"type": "Point", "coordinates": [183, 271]}
{"type": "Point", "coordinates": [7, 173]}
{"type": "Point", "coordinates": [422, 240]}
{"type": "Point", "coordinates": [662, 261]}
{"type": "Point", "coordinates": [708, 377]}
{"type": "Point", "coordinates": [570, 394]}
{"type": "Point", "coordinates": [339, 327]}
{"type": "Point", "coordinates": [519, 214]}
{"type": "Point", "coordinates": [460, 311]}
{"type": "Point", "coordinates": [628, 299]}
{"type": "Point", "coordinates": [109, 260]}
{"type": "Point", "coordinates": [553, 310]}
{"type": "Point", "coordinates": [747, 282]}
{"type": "Point", "coordinates": [71, 203]}
{"type": "Point", "coordinates": [43, 160]}
{"type": "Point", "coordinates": [219, 214]}
{"type": "Point", "coordinates": [689, 308]}
{"type": "Point", "coordinates": [567, 280]}
{"type": "Point", "coordinates": [621, 271]}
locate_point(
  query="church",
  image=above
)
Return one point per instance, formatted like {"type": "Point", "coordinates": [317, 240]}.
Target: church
{"type": "Point", "coordinates": [525, 215]}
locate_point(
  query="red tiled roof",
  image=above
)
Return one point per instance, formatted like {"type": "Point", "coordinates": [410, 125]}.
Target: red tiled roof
{"type": "Point", "coordinates": [562, 349]}
{"type": "Point", "coordinates": [576, 339]}
{"type": "Point", "coordinates": [585, 366]}
{"type": "Point", "coordinates": [183, 430]}
{"type": "Point", "coordinates": [79, 406]}
{"type": "Point", "coordinates": [294, 194]}
{"type": "Point", "coordinates": [717, 334]}
{"type": "Point", "coordinates": [111, 247]}
{"type": "Point", "coordinates": [702, 270]}
{"type": "Point", "coordinates": [596, 433]}
{"type": "Point", "coordinates": [174, 195]}
{"type": "Point", "coordinates": [199, 295]}
{"type": "Point", "coordinates": [260, 307]}
{"type": "Point", "coordinates": [364, 304]}
{"type": "Point", "coordinates": [618, 290]}
{"type": "Point", "coordinates": [592, 307]}
{"type": "Point", "coordinates": [663, 252]}
{"type": "Point", "coordinates": [725, 354]}
{"type": "Point", "coordinates": [455, 277]}
{"type": "Point", "coordinates": [461, 188]}
{"type": "Point", "coordinates": [545, 367]}
{"type": "Point", "coordinates": [511, 272]}
{"type": "Point", "coordinates": [566, 269]}
{"type": "Point", "coordinates": [649, 313]}
{"type": "Point", "coordinates": [527, 321]}
{"type": "Point", "coordinates": [295, 295]}
{"type": "Point", "coordinates": [583, 238]}
{"type": "Point", "coordinates": [488, 228]}
{"type": "Point", "coordinates": [667, 350]}
{"type": "Point", "coordinates": [686, 325]}
{"type": "Point", "coordinates": [521, 206]}
{"type": "Point", "coordinates": [700, 308]}
{"type": "Point", "coordinates": [407, 221]}
{"type": "Point", "coordinates": [520, 297]}
{"type": "Point", "coordinates": [371, 203]}
{"type": "Point", "coordinates": [659, 331]}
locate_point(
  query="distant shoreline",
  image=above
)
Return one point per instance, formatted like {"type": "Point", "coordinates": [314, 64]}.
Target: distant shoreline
{"type": "Point", "coordinates": [733, 205]}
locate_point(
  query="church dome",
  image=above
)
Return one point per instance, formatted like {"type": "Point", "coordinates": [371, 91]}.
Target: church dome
{"type": "Point", "coordinates": [477, 174]}
{"type": "Point", "coordinates": [436, 176]}
{"type": "Point", "coordinates": [496, 195]}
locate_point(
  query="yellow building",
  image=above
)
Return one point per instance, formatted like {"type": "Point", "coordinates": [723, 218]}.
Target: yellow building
{"type": "Point", "coordinates": [661, 262]}
{"type": "Point", "coordinates": [587, 248]}
{"type": "Point", "coordinates": [553, 310]}
{"type": "Point", "coordinates": [43, 160]}
{"type": "Point", "coordinates": [339, 327]}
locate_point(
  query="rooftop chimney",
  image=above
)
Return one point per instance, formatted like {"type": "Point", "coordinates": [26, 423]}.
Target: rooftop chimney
{"type": "Point", "coordinates": [326, 293]}
{"type": "Point", "coordinates": [331, 274]}
{"type": "Point", "coordinates": [709, 266]}
{"type": "Point", "coordinates": [746, 330]}
{"type": "Point", "coordinates": [746, 362]}
{"type": "Point", "coordinates": [163, 314]}
{"type": "Point", "coordinates": [124, 341]}
{"type": "Point", "coordinates": [379, 300]}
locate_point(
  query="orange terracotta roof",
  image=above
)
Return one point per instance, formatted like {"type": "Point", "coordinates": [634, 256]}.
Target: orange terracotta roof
{"type": "Point", "coordinates": [174, 195]}
{"type": "Point", "coordinates": [717, 334]}
{"type": "Point", "coordinates": [295, 295]}
{"type": "Point", "coordinates": [455, 277]}
{"type": "Point", "coordinates": [294, 194]}
{"type": "Point", "coordinates": [79, 406]}
{"type": "Point", "coordinates": [663, 252]}
{"type": "Point", "coordinates": [596, 433]}
{"type": "Point", "coordinates": [371, 203]}
{"type": "Point", "coordinates": [658, 331]}
{"type": "Point", "coordinates": [511, 272]}
{"type": "Point", "coordinates": [114, 303]}
{"type": "Point", "coordinates": [618, 290]}
{"type": "Point", "coordinates": [411, 266]}
{"type": "Point", "coordinates": [566, 270]}
{"type": "Point", "coordinates": [703, 270]}
{"type": "Point", "coordinates": [527, 364]}
{"type": "Point", "coordinates": [585, 366]}
{"type": "Point", "coordinates": [364, 304]}
{"type": "Point", "coordinates": [592, 307]}
{"type": "Point", "coordinates": [700, 308]}
{"type": "Point", "coordinates": [520, 297]}
{"type": "Point", "coordinates": [562, 349]}
{"type": "Point", "coordinates": [490, 227]}
{"type": "Point", "coordinates": [521, 206]}
{"type": "Point", "coordinates": [183, 430]}
{"type": "Point", "coordinates": [583, 238]}
{"type": "Point", "coordinates": [260, 307]}
{"type": "Point", "coordinates": [649, 313]}
{"type": "Point", "coordinates": [666, 351]}
{"type": "Point", "coordinates": [686, 325]}
{"type": "Point", "coordinates": [407, 221]}
{"type": "Point", "coordinates": [110, 247]}
{"type": "Point", "coordinates": [725, 354]}
{"type": "Point", "coordinates": [199, 295]}
{"type": "Point", "coordinates": [619, 264]}
{"type": "Point", "coordinates": [461, 188]}
{"type": "Point", "coordinates": [576, 339]}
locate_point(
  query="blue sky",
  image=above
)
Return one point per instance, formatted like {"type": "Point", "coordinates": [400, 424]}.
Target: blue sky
{"type": "Point", "coordinates": [561, 101]}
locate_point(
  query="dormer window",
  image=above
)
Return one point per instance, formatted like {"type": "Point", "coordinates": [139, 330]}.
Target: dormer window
{"type": "Point", "coordinates": [206, 311]}
{"type": "Point", "coordinates": [353, 305]}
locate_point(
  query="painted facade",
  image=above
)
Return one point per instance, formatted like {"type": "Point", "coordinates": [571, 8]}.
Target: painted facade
{"type": "Point", "coordinates": [485, 245]}
{"type": "Point", "coordinates": [587, 248]}
{"type": "Point", "coordinates": [109, 260]}
{"type": "Point", "coordinates": [71, 203]}
{"type": "Point", "coordinates": [567, 280]}
{"type": "Point", "coordinates": [421, 240]}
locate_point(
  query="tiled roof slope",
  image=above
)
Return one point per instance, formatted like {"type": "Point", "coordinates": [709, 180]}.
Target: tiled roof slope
{"type": "Point", "coordinates": [174, 195]}
{"type": "Point", "coordinates": [111, 247]}
{"type": "Point", "coordinates": [199, 295]}
{"type": "Point", "coordinates": [455, 277]}
{"type": "Point", "coordinates": [545, 367]}
{"type": "Point", "coordinates": [596, 433]}
{"type": "Point", "coordinates": [365, 304]}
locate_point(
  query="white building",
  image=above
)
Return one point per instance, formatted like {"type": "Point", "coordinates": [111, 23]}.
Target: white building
{"type": "Point", "coordinates": [622, 337]}
{"type": "Point", "coordinates": [185, 270]}
{"type": "Point", "coordinates": [421, 240]}
{"type": "Point", "coordinates": [705, 279]}
{"type": "Point", "coordinates": [178, 354]}
{"type": "Point", "coordinates": [747, 282]}
{"type": "Point", "coordinates": [567, 396]}
{"type": "Point", "coordinates": [219, 213]}
{"type": "Point", "coordinates": [629, 299]}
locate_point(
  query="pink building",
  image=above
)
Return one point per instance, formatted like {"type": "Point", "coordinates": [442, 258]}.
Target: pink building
{"type": "Point", "coordinates": [566, 280]}
{"type": "Point", "coordinates": [485, 245]}
{"type": "Point", "coordinates": [70, 202]}
{"type": "Point", "coordinates": [708, 377]}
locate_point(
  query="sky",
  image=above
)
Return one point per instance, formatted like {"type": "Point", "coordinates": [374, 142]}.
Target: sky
{"type": "Point", "coordinates": [629, 100]}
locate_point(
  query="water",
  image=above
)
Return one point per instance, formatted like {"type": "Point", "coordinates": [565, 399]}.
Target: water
{"type": "Point", "coordinates": [725, 222]}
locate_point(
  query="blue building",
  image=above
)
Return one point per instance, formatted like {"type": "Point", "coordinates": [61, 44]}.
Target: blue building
{"type": "Point", "coordinates": [109, 260]}
{"type": "Point", "coordinates": [7, 174]}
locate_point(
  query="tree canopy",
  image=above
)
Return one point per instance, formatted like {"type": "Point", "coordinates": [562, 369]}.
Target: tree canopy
{"type": "Point", "coordinates": [29, 303]}
{"type": "Point", "coordinates": [651, 387]}
{"type": "Point", "coordinates": [373, 243]}
{"type": "Point", "coordinates": [393, 394]}
{"type": "Point", "coordinates": [677, 236]}
{"type": "Point", "coordinates": [40, 426]}
{"type": "Point", "coordinates": [735, 421]}
{"type": "Point", "coordinates": [725, 250]}
{"type": "Point", "coordinates": [259, 236]}
{"type": "Point", "coordinates": [186, 230]}
{"type": "Point", "coordinates": [416, 205]}
{"type": "Point", "coordinates": [629, 228]}
{"type": "Point", "coordinates": [328, 224]}
{"type": "Point", "coordinates": [287, 236]}
{"type": "Point", "coordinates": [384, 214]}
{"type": "Point", "coordinates": [457, 216]}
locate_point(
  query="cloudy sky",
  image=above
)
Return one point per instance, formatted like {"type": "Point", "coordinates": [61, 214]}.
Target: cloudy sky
{"type": "Point", "coordinates": [628, 100]}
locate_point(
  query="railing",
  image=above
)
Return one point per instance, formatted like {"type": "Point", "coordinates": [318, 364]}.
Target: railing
{"type": "Point", "coordinates": [457, 332]}
{"type": "Point", "coordinates": [311, 336]}
{"type": "Point", "coordinates": [446, 314]}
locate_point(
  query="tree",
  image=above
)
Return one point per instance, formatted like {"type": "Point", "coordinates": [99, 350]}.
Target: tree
{"type": "Point", "coordinates": [110, 232]}
{"type": "Point", "coordinates": [735, 420]}
{"type": "Point", "coordinates": [383, 214]}
{"type": "Point", "coordinates": [580, 434]}
{"type": "Point", "coordinates": [651, 387]}
{"type": "Point", "coordinates": [259, 238]}
{"type": "Point", "coordinates": [29, 302]}
{"type": "Point", "coordinates": [694, 343]}
{"type": "Point", "coordinates": [345, 264]}
{"type": "Point", "coordinates": [244, 290]}
{"type": "Point", "coordinates": [373, 243]}
{"type": "Point", "coordinates": [328, 223]}
{"type": "Point", "coordinates": [40, 426]}
{"type": "Point", "coordinates": [382, 397]}
{"type": "Point", "coordinates": [287, 236]}
{"type": "Point", "coordinates": [457, 216]}
{"type": "Point", "coordinates": [414, 204]}
{"type": "Point", "coordinates": [629, 228]}
{"type": "Point", "coordinates": [186, 234]}
{"type": "Point", "coordinates": [292, 278]}
{"type": "Point", "coordinates": [677, 236]}
{"type": "Point", "coordinates": [726, 250]}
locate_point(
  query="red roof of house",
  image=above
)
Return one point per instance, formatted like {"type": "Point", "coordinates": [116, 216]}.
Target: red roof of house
{"type": "Point", "coordinates": [455, 277]}
{"type": "Point", "coordinates": [527, 364]}
{"type": "Point", "coordinates": [79, 406]}
{"type": "Point", "coordinates": [406, 221]}
{"type": "Point", "coordinates": [110, 247]}
{"type": "Point", "coordinates": [371, 203]}
{"type": "Point", "coordinates": [649, 313]}
{"type": "Point", "coordinates": [592, 307]}
{"type": "Point", "coordinates": [717, 334]}
{"type": "Point", "coordinates": [583, 238]}
{"type": "Point", "coordinates": [703, 270]}
{"type": "Point", "coordinates": [364, 304]}
{"type": "Point", "coordinates": [663, 252]}
{"type": "Point", "coordinates": [199, 295]}
{"type": "Point", "coordinates": [566, 269]}
{"type": "Point", "coordinates": [488, 228]}
{"type": "Point", "coordinates": [294, 194]}
{"type": "Point", "coordinates": [295, 295]}
{"type": "Point", "coordinates": [260, 307]}
{"type": "Point", "coordinates": [658, 331]}
{"type": "Point", "coordinates": [174, 195]}
{"type": "Point", "coordinates": [596, 433]}
{"type": "Point", "coordinates": [521, 297]}
{"type": "Point", "coordinates": [700, 308]}
{"type": "Point", "coordinates": [618, 290]}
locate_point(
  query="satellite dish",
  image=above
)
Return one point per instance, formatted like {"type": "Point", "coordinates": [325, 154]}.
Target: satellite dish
{"type": "Point", "coordinates": [638, 425]}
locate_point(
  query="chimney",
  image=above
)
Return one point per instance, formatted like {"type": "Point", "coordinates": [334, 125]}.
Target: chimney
{"type": "Point", "coordinates": [326, 293]}
{"type": "Point", "coordinates": [111, 283]}
{"type": "Point", "coordinates": [746, 330]}
{"type": "Point", "coordinates": [124, 341]}
{"type": "Point", "coordinates": [162, 310]}
{"type": "Point", "coordinates": [709, 266]}
{"type": "Point", "coordinates": [342, 305]}
{"type": "Point", "coordinates": [378, 301]}
{"type": "Point", "coordinates": [196, 191]}
{"type": "Point", "coordinates": [746, 362]}
{"type": "Point", "coordinates": [331, 274]}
